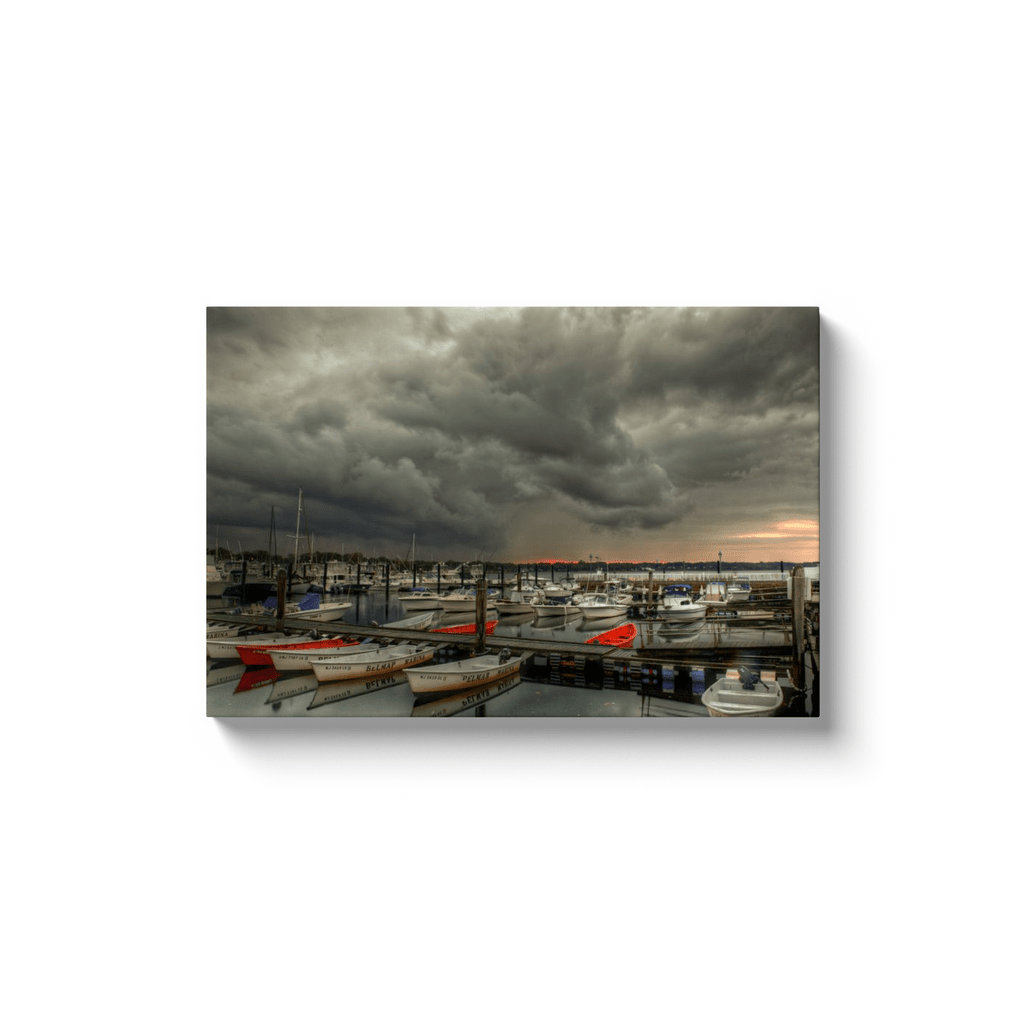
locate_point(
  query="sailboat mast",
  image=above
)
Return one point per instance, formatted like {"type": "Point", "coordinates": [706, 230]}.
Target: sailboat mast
{"type": "Point", "coordinates": [298, 520]}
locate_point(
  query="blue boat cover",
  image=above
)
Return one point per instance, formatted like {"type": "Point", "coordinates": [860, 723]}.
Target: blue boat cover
{"type": "Point", "coordinates": [309, 603]}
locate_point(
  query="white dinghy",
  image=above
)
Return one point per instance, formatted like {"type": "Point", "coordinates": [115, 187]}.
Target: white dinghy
{"type": "Point", "coordinates": [381, 662]}
{"type": "Point", "coordinates": [741, 693]}
{"type": "Point", "coordinates": [460, 675]}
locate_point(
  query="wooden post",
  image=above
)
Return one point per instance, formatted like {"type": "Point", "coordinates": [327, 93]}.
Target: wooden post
{"type": "Point", "coordinates": [243, 581]}
{"type": "Point", "coordinates": [503, 578]}
{"type": "Point", "coordinates": [282, 586]}
{"type": "Point", "coordinates": [325, 576]}
{"type": "Point", "coordinates": [481, 615]}
{"type": "Point", "coordinates": [439, 577]}
{"type": "Point", "coordinates": [359, 572]}
{"type": "Point", "coordinates": [650, 591]}
{"type": "Point", "coordinates": [387, 581]}
{"type": "Point", "coordinates": [798, 627]}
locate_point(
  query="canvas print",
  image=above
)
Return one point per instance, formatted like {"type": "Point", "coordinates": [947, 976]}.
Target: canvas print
{"type": "Point", "coordinates": [513, 512]}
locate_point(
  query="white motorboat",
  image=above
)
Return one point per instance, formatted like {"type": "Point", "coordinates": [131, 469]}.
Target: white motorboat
{"type": "Point", "coordinates": [741, 693]}
{"type": "Point", "coordinates": [738, 590]}
{"type": "Point", "coordinates": [381, 662]}
{"type": "Point", "coordinates": [599, 606]}
{"type": "Point", "coordinates": [463, 600]}
{"type": "Point", "coordinates": [460, 675]}
{"type": "Point", "coordinates": [554, 608]}
{"type": "Point", "coordinates": [518, 599]}
{"type": "Point", "coordinates": [677, 602]}
{"type": "Point", "coordinates": [310, 607]}
{"type": "Point", "coordinates": [420, 599]}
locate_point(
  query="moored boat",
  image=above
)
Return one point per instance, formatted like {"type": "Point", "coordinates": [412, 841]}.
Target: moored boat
{"type": "Point", "coordinates": [618, 636]}
{"type": "Point", "coordinates": [467, 628]}
{"type": "Point", "coordinates": [464, 600]}
{"type": "Point", "coordinates": [215, 632]}
{"type": "Point", "coordinates": [420, 598]}
{"type": "Point", "coordinates": [228, 647]}
{"type": "Point", "coordinates": [460, 675]}
{"type": "Point", "coordinates": [286, 660]}
{"type": "Point", "coordinates": [420, 621]}
{"type": "Point", "coordinates": [677, 602]}
{"type": "Point", "coordinates": [560, 607]}
{"type": "Point", "coordinates": [381, 662]}
{"type": "Point", "coordinates": [259, 654]}
{"type": "Point", "coordinates": [741, 693]}
{"type": "Point", "coordinates": [599, 606]}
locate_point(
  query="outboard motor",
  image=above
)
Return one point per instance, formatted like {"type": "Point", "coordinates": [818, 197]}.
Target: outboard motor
{"type": "Point", "coordinates": [504, 655]}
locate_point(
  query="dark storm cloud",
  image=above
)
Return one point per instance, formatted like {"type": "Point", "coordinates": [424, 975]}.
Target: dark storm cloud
{"type": "Point", "coordinates": [756, 358]}
{"type": "Point", "coordinates": [441, 421]}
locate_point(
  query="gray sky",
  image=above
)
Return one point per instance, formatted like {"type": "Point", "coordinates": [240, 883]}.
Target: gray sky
{"type": "Point", "coordinates": [517, 434]}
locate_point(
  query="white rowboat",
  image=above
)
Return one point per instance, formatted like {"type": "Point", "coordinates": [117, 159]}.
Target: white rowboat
{"type": "Point", "coordinates": [228, 647]}
{"type": "Point", "coordinates": [460, 675]}
{"type": "Point", "coordinates": [304, 660]}
{"type": "Point", "coordinates": [738, 695]}
{"type": "Point", "coordinates": [380, 662]}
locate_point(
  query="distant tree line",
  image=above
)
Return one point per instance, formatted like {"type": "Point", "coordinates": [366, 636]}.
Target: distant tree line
{"type": "Point", "coordinates": [223, 554]}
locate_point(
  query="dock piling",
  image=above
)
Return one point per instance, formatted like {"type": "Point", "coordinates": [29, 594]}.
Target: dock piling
{"type": "Point", "coordinates": [282, 586]}
{"type": "Point", "coordinates": [798, 626]}
{"type": "Point", "coordinates": [481, 615]}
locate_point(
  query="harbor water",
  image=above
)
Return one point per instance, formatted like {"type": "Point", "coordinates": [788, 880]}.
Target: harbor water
{"type": "Point", "coordinates": [541, 689]}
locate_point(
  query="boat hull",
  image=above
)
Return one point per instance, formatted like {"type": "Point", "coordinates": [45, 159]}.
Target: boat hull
{"type": "Point", "coordinates": [683, 612]}
{"type": "Point", "coordinates": [366, 666]}
{"type": "Point", "coordinates": [228, 647]}
{"type": "Point", "coordinates": [726, 698]}
{"type": "Point", "coordinates": [462, 675]}
{"type": "Point", "coordinates": [619, 636]}
{"type": "Point", "coordinates": [602, 611]}
{"type": "Point", "coordinates": [303, 661]}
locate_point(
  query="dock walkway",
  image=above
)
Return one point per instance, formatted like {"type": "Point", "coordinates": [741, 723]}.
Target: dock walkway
{"type": "Point", "coordinates": [698, 650]}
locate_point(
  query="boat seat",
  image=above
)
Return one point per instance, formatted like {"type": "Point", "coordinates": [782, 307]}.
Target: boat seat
{"type": "Point", "coordinates": [747, 697]}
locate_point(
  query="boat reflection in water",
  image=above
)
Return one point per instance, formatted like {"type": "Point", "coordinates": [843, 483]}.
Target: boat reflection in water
{"type": "Point", "coordinates": [330, 693]}
{"type": "Point", "coordinates": [443, 706]}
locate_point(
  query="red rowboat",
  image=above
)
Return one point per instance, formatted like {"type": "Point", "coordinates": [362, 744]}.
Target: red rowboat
{"type": "Point", "coordinates": [254, 654]}
{"type": "Point", "coordinates": [620, 636]}
{"type": "Point", "coordinates": [470, 627]}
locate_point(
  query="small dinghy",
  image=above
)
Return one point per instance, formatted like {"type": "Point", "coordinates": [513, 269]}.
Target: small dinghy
{"type": "Point", "coordinates": [460, 675]}
{"type": "Point", "coordinates": [285, 660]}
{"type": "Point", "coordinates": [380, 662]}
{"type": "Point", "coordinates": [741, 693]}
{"type": "Point", "coordinates": [620, 636]}
{"type": "Point", "coordinates": [228, 647]}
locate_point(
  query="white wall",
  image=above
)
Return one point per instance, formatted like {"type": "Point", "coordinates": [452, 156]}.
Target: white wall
{"type": "Point", "coordinates": [162, 866]}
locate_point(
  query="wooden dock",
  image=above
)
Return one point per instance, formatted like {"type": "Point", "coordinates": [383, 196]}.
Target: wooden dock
{"type": "Point", "coordinates": [702, 649]}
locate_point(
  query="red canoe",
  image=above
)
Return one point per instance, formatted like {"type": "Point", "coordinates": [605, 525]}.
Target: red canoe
{"type": "Point", "coordinates": [253, 654]}
{"type": "Point", "coordinates": [620, 636]}
{"type": "Point", "coordinates": [470, 627]}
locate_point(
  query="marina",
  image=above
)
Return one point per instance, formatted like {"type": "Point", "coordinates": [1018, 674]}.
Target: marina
{"type": "Point", "coordinates": [652, 665]}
